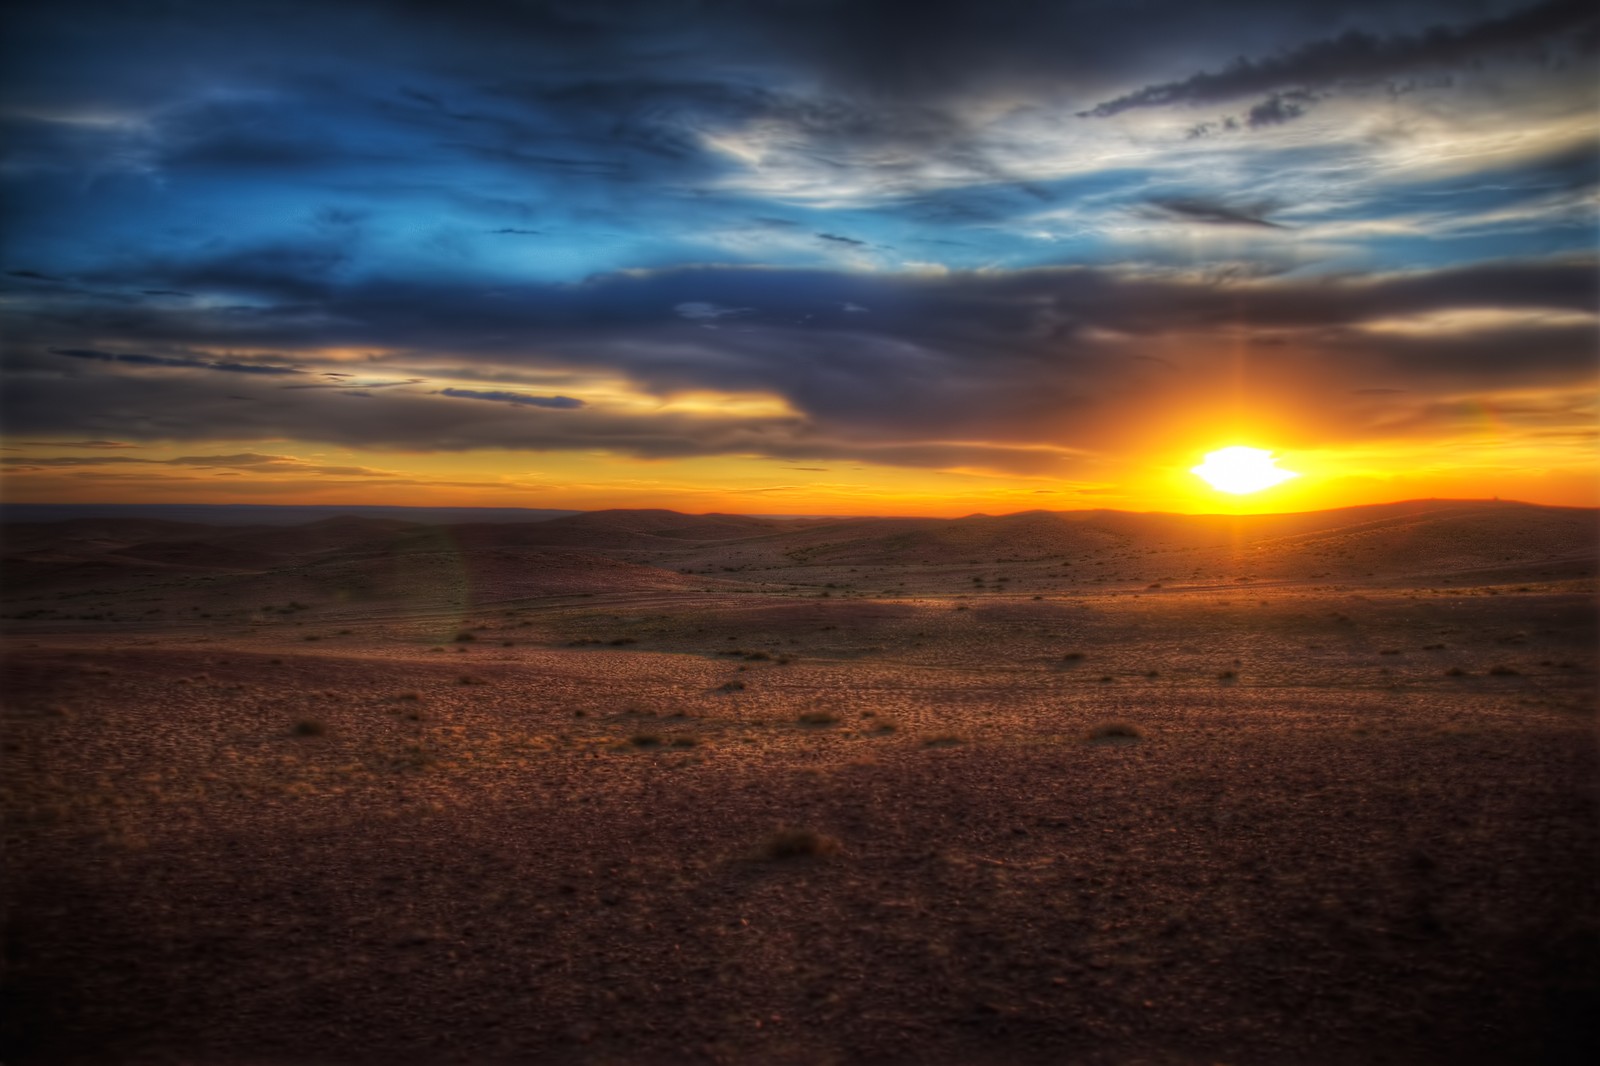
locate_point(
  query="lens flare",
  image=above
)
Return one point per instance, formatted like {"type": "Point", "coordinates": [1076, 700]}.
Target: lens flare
{"type": "Point", "coordinates": [1241, 470]}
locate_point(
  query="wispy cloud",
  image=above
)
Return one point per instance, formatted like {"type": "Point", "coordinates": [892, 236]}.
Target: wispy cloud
{"type": "Point", "coordinates": [557, 403]}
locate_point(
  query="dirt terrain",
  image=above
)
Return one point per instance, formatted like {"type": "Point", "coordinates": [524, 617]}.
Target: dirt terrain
{"type": "Point", "coordinates": [640, 787]}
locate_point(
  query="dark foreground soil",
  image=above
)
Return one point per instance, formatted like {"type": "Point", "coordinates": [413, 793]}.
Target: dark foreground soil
{"type": "Point", "coordinates": [1291, 826]}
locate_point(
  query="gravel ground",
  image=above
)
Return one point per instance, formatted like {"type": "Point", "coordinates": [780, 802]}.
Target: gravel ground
{"type": "Point", "coordinates": [1184, 827]}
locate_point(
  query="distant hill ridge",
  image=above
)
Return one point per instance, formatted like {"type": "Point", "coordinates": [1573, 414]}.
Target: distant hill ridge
{"type": "Point", "coordinates": [659, 548]}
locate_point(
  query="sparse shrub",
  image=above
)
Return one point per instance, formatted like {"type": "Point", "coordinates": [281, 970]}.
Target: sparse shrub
{"type": "Point", "coordinates": [1504, 671]}
{"type": "Point", "coordinates": [1152, 673]}
{"type": "Point", "coordinates": [1228, 675]}
{"type": "Point", "coordinates": [645, 740]}
{"type": "Point", "coordinates": [798, 844]}
{"type": "Point", "coordinates": [408, 697]}
{"type": "Point", "coordinates": [1455, 671]}
{"type": "Point", "coordinates": [758, 656]}
{"type": "Point", "coordinates": [685, 742]}
{"type": "Point", "coordinates": [1072, 656]}
{"type": "Point", "coordinates": [1115, 733]}
{"type": "Point", "coordinates": [309, 727]}
{"type": "Point", "coordinates": [464, 636]}
{"type": "Point", "coordinates": [621, 641]}
{"type": "Point", "coordinates": [1107, 679]}
{"type": "Point", "coordinates": [943, 740]}
{"type": "Point", "coordinates": [733, 686]}
{"type": "Point", "coordinates": [818, 718]}
{"type": "Point", "coordinates": [469, 679]}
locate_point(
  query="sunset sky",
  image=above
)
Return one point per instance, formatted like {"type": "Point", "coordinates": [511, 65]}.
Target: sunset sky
{"type": "Point", "coordinates": [799, 256]}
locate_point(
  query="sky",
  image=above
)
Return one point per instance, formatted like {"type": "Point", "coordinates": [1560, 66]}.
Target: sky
{"type": "Point", "coordinates": [798, 256]}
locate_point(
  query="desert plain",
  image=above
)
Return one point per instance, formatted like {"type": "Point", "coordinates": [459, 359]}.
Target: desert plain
{"type": "Point", "coordinates": [642, 787]}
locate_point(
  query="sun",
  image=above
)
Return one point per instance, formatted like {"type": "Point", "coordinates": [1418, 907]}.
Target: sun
{"type": "Point", "coordinates": [1242, 470]}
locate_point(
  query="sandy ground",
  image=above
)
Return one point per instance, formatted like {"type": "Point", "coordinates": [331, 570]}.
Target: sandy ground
{"type": "Point", "coordinates": [509, 804]}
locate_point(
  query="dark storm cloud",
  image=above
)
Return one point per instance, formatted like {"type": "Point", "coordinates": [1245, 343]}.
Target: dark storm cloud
{"type": "Point", "coordinates": [1358, 56]}
{"type": "Point", "coordinates": [557, 403]}
{"type": "Point", "coordinates": [841, 240]}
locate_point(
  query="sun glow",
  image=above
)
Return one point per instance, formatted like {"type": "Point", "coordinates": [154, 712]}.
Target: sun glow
{"type": "Point", "coordinates": [1241, 470]}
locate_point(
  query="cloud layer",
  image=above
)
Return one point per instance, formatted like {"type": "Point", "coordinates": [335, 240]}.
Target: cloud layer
{"type": "Point", "coordinates": [1003, 239]}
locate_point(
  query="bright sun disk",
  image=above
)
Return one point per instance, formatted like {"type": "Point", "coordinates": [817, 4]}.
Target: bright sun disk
{"type": "Point", "coordinates": [1241, 470]}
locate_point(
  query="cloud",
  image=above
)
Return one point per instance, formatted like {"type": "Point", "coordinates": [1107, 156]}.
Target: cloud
{"type": "Point", "coordinates": [1356, 56]}
{"type": "Point", "coordinates": [139, 359]}
{"type": "Point", "coordinates": [558, 403]}
{"type": "Point", "coordinates": [75, 444]}
{"type": "Point", "coordinates": [248, 461]}
{"type": "Point", "coordinates": [701, 311]}
{"type": "Point", "coordinates": [695, 176]}
{"type": "Point", "coordinates": [1013, 370]}
{"type": "Point", "coordinates": [1279, 108]}
{"type": "Point", "coordinates": [1216, 214]}
{"type": "Point", "coordinates": [353, 387]}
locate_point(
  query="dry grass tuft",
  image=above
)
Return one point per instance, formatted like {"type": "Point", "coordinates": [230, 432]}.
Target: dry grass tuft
{"type": "Point", "coordinates": [798, 844]}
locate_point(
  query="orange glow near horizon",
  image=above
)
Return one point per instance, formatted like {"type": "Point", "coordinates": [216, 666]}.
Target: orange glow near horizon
{"type": "Point", "coordinates": [1546, 471]}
